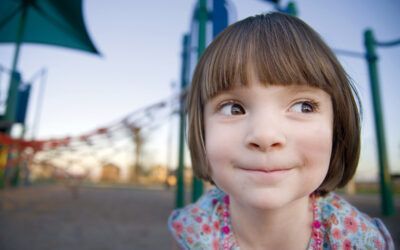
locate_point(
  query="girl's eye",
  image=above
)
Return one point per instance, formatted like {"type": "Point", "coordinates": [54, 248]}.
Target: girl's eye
{"type": "Point", "coordinates": [232, 109]}
{"type": "Point", "coordinates": [304, 107]}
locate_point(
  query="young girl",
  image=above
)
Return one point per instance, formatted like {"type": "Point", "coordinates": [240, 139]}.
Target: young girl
{"type": "Point", "coordinates": [274, 125]}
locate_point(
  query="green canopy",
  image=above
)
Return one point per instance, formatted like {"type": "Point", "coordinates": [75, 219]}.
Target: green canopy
{"type": "Point", "coordinates": [54, 22]}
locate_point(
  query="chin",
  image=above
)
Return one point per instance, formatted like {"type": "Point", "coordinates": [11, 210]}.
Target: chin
{"type": "Point", "coordinates": [270, 199]}
{"type": "Point", "coordinates": [268, 203]}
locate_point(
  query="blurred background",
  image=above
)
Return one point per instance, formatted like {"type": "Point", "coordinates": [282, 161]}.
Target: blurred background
{"type": "Point", "coordinates": [91, 153]}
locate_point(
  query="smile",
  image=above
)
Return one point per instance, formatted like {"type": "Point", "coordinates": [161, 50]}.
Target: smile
{"type": "Point", "coordinates": [266, 175]}
{"type": "Point", "coordinates": [266, 170]}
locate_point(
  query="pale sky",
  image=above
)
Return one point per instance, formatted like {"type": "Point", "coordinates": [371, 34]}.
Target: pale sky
{"type": "Point", "coordinates": [140, 42]}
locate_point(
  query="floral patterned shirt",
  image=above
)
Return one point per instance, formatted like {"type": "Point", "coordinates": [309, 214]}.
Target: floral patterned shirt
{"type": "Point", "coordinates": [202, 225]}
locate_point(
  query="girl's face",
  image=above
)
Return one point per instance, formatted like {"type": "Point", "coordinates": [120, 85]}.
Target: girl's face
{"type": "Point", "coordinates": [269, 146]}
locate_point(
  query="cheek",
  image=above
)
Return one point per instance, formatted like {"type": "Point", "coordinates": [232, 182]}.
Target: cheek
{"type": "Point", "coordinates": [221, 144]}
{"type": "Point", "coordinates": [215, 141]}
{"type": "Point", "coordinates": [316, 147]}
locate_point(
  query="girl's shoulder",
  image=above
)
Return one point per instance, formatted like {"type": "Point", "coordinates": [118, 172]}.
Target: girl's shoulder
{"type": "Point", "coordinates": [344, 226]}
{"type": "Point", "coordinates": [198, 225]}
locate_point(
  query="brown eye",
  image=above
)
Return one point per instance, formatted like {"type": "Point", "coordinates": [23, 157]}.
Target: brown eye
{"type": "Point", "coordinates": [304, 107]}
{"type": "Point", "coordinates": [232, 109]}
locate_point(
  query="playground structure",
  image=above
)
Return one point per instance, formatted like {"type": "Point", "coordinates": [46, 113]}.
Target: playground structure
{"type": "Point", "coordinates": [96, 147]}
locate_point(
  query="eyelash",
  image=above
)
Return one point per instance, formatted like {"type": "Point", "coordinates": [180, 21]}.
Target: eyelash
{"type": "Point", "coordinates": [229, 102]}
{"type": "Point", "coordinates": [314, 105]}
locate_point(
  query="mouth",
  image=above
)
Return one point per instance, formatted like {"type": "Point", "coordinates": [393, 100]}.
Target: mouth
{"type": "Point", "coordinates": [266, 175]}
{"type": "Point", "coordinates": [265, 170]}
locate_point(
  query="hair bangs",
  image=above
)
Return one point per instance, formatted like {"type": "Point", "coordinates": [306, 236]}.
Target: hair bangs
{"type": "Point", "coordinates": [275, 51]}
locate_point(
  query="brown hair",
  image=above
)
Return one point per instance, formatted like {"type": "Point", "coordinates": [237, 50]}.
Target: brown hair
{"type": "Point", "coordinates": [281, 50]}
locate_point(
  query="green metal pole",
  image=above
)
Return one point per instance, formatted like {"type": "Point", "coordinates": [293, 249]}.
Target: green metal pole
{"type": "Point", "coordinates": [14, 80]}
{"type": "Point", "coordinates": [198, 187]}
{"type": "Point", "coordinates": [384, 176]}
{"type": "Point", "coordinates": [14, 182]}
{"type": "Point", "coordinates": [180, 184]}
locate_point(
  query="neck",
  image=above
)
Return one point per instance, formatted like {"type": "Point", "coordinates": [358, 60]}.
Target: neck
{"type": "Point", "coordinates": [282, 228]}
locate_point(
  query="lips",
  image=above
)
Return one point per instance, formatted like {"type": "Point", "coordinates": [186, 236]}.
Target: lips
{"type": "Point", "coordinates": [264, 170]}
{"type": "Point", "coordinates": [266, 175]}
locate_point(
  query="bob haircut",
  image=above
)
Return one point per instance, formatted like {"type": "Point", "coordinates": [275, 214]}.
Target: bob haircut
{"type": "Point", "coordinates": [280, 50]}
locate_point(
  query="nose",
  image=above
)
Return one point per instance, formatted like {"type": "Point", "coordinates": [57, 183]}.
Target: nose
{"type": "Point", "coordinates": [266, 133]}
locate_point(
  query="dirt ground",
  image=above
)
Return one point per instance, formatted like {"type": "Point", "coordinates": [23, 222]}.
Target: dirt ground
{"type": "Point", "coordinates": [102, 218]}
{"type": "Point", "coordinates": [49, 217]}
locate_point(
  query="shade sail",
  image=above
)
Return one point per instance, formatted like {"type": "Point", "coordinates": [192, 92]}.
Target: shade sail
{"type": "Point", "coordinates": [52, 22]}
